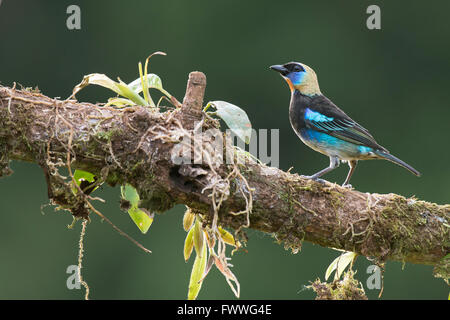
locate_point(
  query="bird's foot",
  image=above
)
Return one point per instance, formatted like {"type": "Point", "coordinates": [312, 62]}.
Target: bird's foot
{"type": "Point", "coordinates": [348, 186]}
{"type": "Point", "coordinates": [322, 181]}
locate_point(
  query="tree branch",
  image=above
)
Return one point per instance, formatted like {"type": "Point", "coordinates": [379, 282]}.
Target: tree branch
{"type": "Point", "coordinates": [136, 145]}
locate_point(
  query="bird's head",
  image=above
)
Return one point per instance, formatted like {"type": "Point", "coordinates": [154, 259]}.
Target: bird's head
{"type": "Point", "coordinates": [299, 77]}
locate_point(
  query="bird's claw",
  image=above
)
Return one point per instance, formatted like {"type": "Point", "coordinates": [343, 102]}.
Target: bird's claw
{"type": "Point", "coordinates": [348, 186]}
{"type": "Point", "coordinates": [322, 181]}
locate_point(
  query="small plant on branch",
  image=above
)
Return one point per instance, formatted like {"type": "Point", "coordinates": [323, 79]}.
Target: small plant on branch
{"type": "Point", "coordinates": [209, 240]}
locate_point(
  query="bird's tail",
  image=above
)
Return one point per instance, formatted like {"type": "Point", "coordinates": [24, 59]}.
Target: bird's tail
{"type": "Point", "coordinates": [396, 160]}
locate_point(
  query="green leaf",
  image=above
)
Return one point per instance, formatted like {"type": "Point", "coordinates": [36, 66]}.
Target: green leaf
{"type": "Point", "coordinates": [188, 219]}
{"type": "Point", "coordinates": [140, 216]}
{"type": "Point", "coordinates": [130, 194]}
{"type": "Point", "coordinates": [339, 264]}
{"type": "Point", "coordinates": [104, 81]}
{"type": "Point", "coordinates": [84, 180]}
{"type": "Point", "coordinates": [226, 236]}
{"type": "Point", "coordinates": [235, 118]}
{"type": "Point", "coordinates": [145, 85]}
{"type": "Point", "coordinates": [148, 81]}
{"type": "Point", "coordinates": [119, 102]}
{"type": "Point", "coordinates": [188, 245]}
{"type": "Point", "coordinates": [81, 175]}
{"type": "Point", "coordinates": [198, 269]}
{"type": "Point", "coordinates": [199, 238]}
{"type": "Point", "coordinates": [130, 94]}
{"type": "Point", "coordinates": [153, 81]}
{"type": "Point", "coordinates": [97, 79]}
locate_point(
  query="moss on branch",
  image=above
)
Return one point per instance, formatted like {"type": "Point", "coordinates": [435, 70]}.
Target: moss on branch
{"type": "Point", "coordinates": [135, 145]}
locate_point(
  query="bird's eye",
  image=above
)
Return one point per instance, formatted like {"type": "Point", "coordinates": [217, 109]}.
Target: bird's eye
{"type": "Point", "coordinates": [298, 68]}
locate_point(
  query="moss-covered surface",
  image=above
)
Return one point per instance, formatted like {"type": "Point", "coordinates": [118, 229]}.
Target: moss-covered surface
{"type": "Point", "coordinates": [347, 289]}
{"type": "Point", "coordinates": [134, 145]}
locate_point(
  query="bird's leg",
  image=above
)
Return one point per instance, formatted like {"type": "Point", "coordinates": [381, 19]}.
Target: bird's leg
{"type": "Point", "coordinates": [352, 164]}
{"type": "Point", "coordinates": [334, 163]}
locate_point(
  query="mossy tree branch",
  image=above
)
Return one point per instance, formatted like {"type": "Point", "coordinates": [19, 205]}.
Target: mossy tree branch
{"type": "Point", "coordinates": [135, 145]}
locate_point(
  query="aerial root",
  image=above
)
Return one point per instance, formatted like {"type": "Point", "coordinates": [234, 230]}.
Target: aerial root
{"type": "Point", "coordinates": [112, 154]}
{"type": "Point", "coordinates": [356, 234]}
{"type": "Point", "coordinates": [50, 166]}
{"type": "Point", "coordinates": [80, 258]}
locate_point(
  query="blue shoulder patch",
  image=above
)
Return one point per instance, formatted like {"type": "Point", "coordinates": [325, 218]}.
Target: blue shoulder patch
{"type": "Point", "coordinates": [316, 116]}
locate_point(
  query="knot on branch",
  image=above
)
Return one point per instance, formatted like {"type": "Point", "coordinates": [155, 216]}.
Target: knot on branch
{"type": "Point", "coordinates": [193, 99]}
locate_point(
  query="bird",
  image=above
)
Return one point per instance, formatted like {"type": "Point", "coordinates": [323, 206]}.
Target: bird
{"type": "Point", "coordinates": [325, 128]}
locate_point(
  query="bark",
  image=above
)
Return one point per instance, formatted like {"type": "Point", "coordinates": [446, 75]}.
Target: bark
{"type": "Point", "coordinates": [135, 145]}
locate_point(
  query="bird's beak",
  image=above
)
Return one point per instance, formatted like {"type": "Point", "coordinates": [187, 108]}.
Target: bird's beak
{"type": "Point", "coordinates": [281, 69]}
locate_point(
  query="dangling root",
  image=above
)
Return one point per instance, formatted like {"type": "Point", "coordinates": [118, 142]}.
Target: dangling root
{"type": "Point", "coordinates": [80, 258]}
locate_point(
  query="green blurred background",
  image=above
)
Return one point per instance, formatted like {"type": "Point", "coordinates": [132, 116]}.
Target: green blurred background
{"type": "Point", "coordinates": [393, 81]}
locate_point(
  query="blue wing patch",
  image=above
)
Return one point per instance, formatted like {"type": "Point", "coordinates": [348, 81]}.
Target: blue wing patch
{"type": "Point", "coordinates": [316, 116]}
{"type": "Point", "coordinates": [341, 128]}
{"type": "Point", "coordinates": [364, 149]}
{"type": "Point", "coordinates": [323, 122]}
